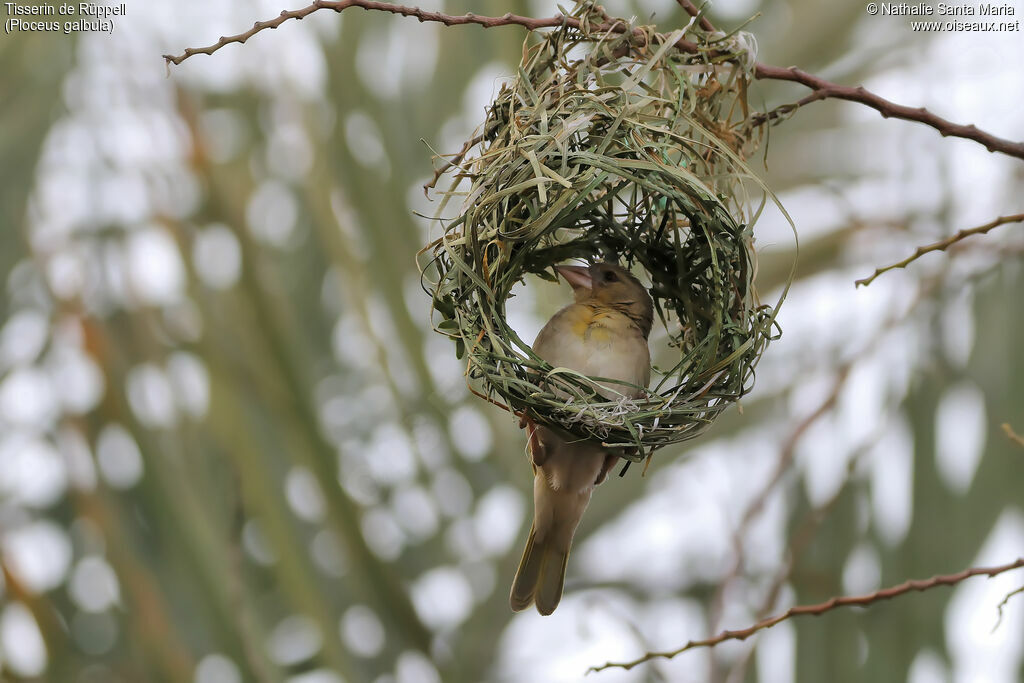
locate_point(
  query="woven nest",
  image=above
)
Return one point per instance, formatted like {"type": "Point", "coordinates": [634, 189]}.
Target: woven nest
{"type": "Point", "coordinates": [611, 146]}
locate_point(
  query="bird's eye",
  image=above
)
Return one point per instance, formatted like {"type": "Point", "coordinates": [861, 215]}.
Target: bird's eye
{"type": "Point", "coordinates": [610, 276]}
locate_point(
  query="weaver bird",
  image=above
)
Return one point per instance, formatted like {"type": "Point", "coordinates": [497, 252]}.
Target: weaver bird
{"type": "Point", "coordinates": [603, 334]}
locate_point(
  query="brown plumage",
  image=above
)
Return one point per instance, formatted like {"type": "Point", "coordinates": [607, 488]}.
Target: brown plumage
{"type": "Point", "coordinates": [602, 334]}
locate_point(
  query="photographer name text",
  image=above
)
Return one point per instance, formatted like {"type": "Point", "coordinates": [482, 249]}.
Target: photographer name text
{"type": "Point", "coordinates": [921, 9]}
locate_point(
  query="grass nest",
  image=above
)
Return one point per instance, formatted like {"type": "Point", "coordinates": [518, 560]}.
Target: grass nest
{"type": "Point", "coordinates": [611, 145]}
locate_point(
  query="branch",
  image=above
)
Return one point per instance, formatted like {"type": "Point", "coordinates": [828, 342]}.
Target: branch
{"type": "Point", "coordinates": [942, 245]}
{"type": "Point", "coordinates": [888, 109]}
{"type": "Point", "coordinates": [919, 585]}
{"type": "Point", "coordinates": [822, 89]}
{"type": "Point", "coordinates": [340, 5]}
{"type": "Point", "coordinates": [529, 23]}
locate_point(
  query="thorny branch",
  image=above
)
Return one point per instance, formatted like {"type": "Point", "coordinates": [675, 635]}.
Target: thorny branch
{"type": "Point", "coordinates": [821, 88]}
{"type": "Point", "coordinates": [942, 245]}
{"type": "Point", "coordinates": [919, 585]}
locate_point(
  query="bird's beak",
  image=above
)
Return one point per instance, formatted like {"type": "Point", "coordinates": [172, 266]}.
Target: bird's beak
{"type": "Point", "coordinates": [577, 276]}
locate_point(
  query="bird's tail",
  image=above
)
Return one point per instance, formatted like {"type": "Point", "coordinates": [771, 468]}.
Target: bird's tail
{"type": "Point", "coordinates": [541, 574]}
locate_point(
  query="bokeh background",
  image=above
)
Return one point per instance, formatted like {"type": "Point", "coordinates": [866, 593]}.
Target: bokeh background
{"type": "Point", "coordinates": [232, 449]}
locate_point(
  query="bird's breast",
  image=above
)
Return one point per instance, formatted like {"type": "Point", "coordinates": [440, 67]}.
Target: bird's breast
{"type": "Point", "coordinates": [596, 342]}
{"type": "Point", "coordinates": [595, 328]}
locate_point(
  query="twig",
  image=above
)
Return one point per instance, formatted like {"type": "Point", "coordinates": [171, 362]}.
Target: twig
{"type": "Point", "coordinates": [1003, 603]}
{"type": "Point", "coordinates": [693, 11]}
{"type": "Point", "coordinates": [454, 161]}
{"type": "Point", "coordinates": [787, 109]}
{"type": "Point", "coordinates": [941, 245]}
{"type": "Point", "coordinates": [818, 609]}
{"type": "Point", "coordinates": [1012, 435]}
{"type": "Point", "coordinates": [822, 88]}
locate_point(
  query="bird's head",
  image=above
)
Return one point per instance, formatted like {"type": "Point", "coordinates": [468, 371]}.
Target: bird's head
{"type": "Point", "coordinates": [607, 284]}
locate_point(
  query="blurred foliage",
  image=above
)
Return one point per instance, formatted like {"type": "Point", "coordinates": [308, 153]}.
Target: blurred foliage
{"type": "Point", "coordinates": [317, 491]}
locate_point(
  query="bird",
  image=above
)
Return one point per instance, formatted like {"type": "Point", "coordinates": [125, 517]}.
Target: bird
{"type": "Point", "coordinates": [603, 333]}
